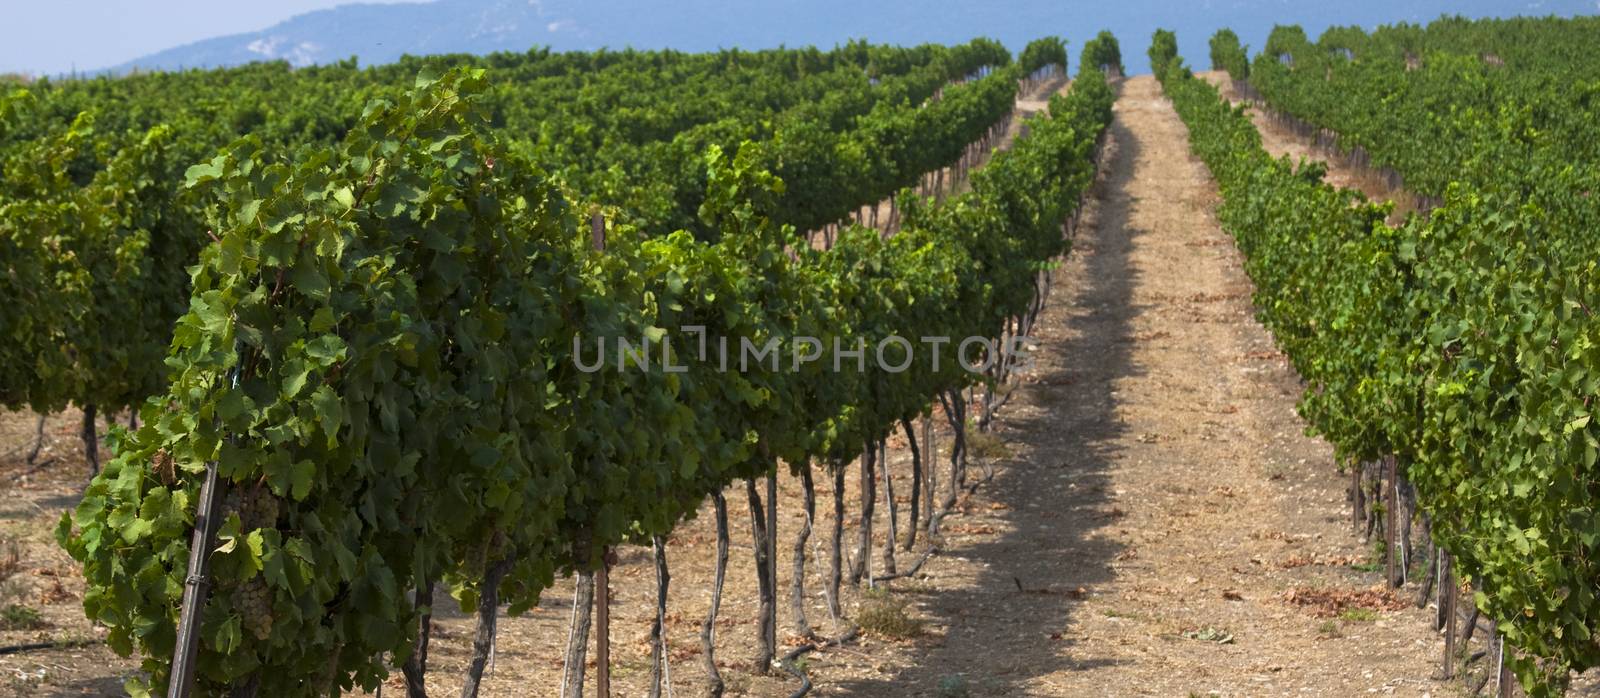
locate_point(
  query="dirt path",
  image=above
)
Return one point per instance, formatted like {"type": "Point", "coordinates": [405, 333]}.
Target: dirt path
{"type": "Point", "coordinates": [1162, 505]}
{"type": "Point", "coordinates": [40, 585]}
{"type": "Point", "coordinates": [1280, 141]}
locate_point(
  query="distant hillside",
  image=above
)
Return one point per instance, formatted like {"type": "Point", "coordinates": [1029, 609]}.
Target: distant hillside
{"type": "Point", "coordinates": [382, 33]}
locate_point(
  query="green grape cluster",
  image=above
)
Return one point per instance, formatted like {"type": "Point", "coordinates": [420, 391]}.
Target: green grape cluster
{"type": "Point", "coordinates": [255, 506]}
{"type": "Point", "coordinates": [253, 601]}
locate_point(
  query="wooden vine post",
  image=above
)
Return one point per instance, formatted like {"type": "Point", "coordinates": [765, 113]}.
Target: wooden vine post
{"type": "Point", "coordinates": [772, 558]}
{"type": "Point", "coordinates": [602, 576]}
{"type": "Point", "coordinates": [1448, 591]}
{"type": "Point", "coordinates": [197, 584]}
{"type": "Point", "coordinates": [38, 440]}
{"type": "Point", "coordinates": [1358, 497]}
{"type": "Point", "coordinates": [195, 588]}
{"type": "Point", "coordinates": [578, 639]}
{"type": "Point", "coordinates": [930, 477]}
{"type": "Point", "coordinates": [708, 630]}
{"type": "Point", "coordinates": [91, 441]}
{"type": "Point", "coordinates": [602, 627]}
{"type": "Point", "coordinates": [660, 661]}
{"type": "Point", "coordinates": [1391, 526]}
{"type": "Point", "coordinates": [1507, 680]}
{"type": "Point", "coordinates": [888, 499]}
{"type": "Point", "coordinates": [836, 552]}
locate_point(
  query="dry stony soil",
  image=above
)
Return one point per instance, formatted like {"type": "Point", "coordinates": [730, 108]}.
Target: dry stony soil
{"type": "Point", "coordinates": [1156, 521]}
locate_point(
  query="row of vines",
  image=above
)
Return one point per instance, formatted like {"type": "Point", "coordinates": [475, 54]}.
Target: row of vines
{"type": "Point", "coordinates": [447, 339]}
{"type": "Point", "coordinates": [1457, 349]}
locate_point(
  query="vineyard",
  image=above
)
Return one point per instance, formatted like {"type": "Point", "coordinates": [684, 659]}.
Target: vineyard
{"type": "Point", "coordinates": [877, 370]}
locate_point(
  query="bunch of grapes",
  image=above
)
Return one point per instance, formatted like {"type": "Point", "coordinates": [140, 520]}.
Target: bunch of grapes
{"type": "Point", "coordinates": [256, 507]}
{"type": "Point", "coordinates": [261, 509]}
{"type": "Point", "coordinates": [253, 601]}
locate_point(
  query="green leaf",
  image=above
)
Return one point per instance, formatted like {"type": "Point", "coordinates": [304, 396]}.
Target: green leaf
{"type": "Point", "coordinates": [327, 349]}
{"type": "Point", "coordinates": [254, 545]}
{"type": "Point", "coordinates": [330, 415]}
{"type": "Point", "coordinates": [246, 213]}
{"type": "Point", "coordinates": [204, 172]}
{"type": "Point", "coordinates": [322, 320]}
{"type": "Point", "coordinates": [426, 78]}
{"type": "Point", "coordinates": [309, 279]}
{"type": "Point", "coordinates": [227, 636]}
{"type": "Point", "coordinates": [232, 404]}
{"type": "Point", "coordinates": [300, 479]}
{"type": "Point", "coordinates": [295, 381]}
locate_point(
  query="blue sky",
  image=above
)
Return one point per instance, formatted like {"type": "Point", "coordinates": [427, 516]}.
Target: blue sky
{"type": "Point", "coordinates": [52, 36]}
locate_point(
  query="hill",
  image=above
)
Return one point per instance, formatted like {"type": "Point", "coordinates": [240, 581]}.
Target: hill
{"type": "Point", "coordinates": [382, 33]}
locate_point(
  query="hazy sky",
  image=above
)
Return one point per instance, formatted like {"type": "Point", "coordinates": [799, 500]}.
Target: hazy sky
{"type": "Point", "coordinates": [109, 32]}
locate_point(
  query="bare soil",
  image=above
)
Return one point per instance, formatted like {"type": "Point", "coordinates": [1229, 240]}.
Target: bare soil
{"type": "Point", "coordinates": [41, 576]}
{"type": "Point", "coordinates": [1157, 523]}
